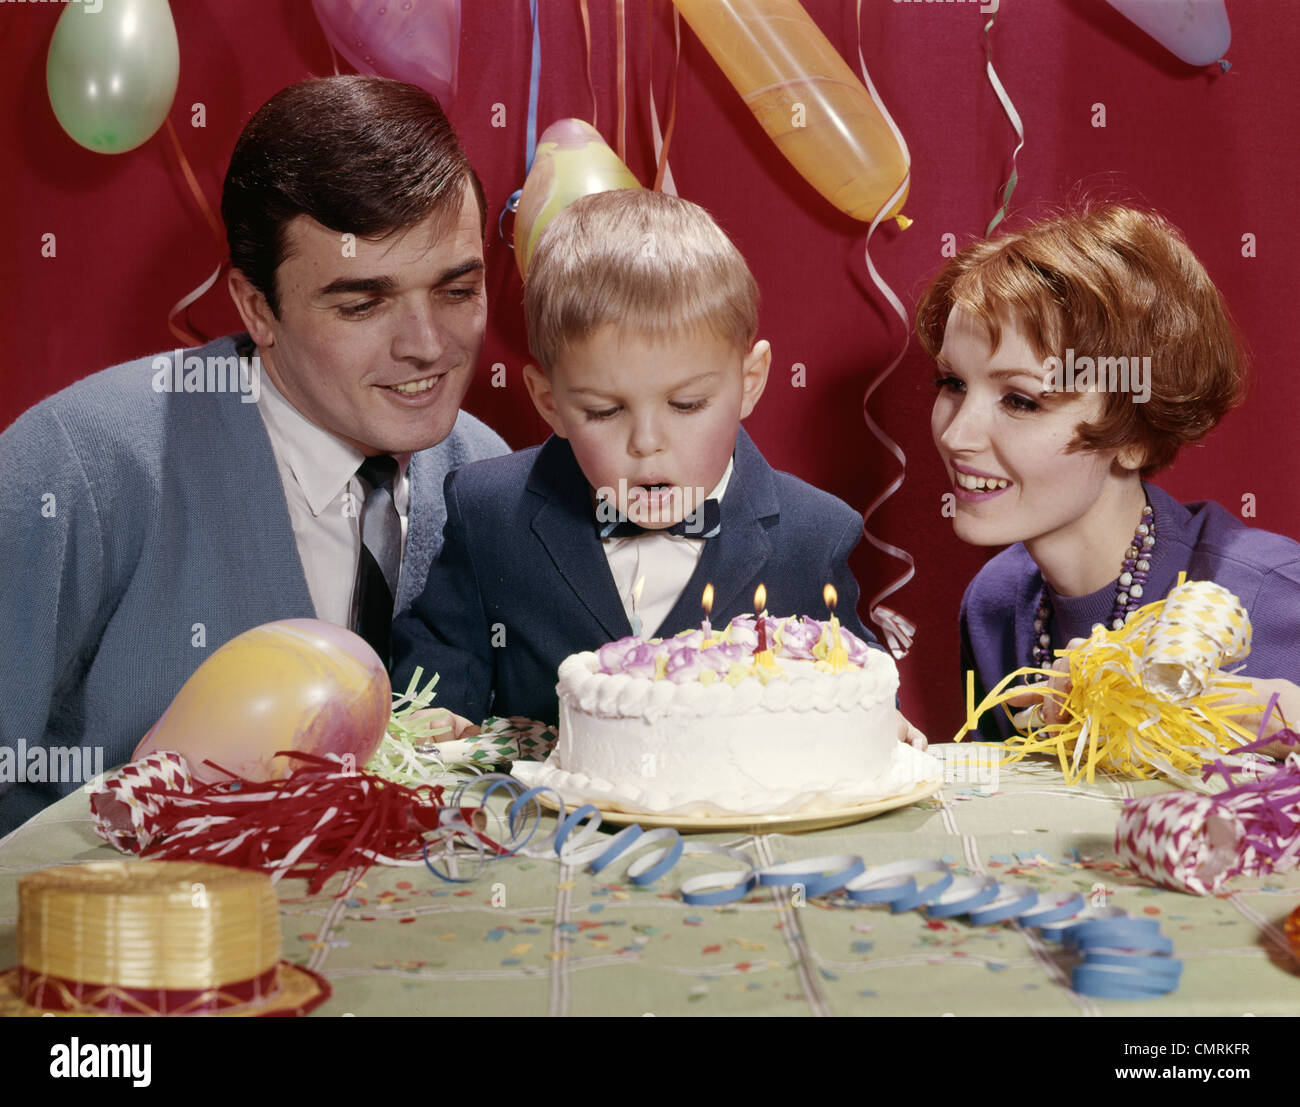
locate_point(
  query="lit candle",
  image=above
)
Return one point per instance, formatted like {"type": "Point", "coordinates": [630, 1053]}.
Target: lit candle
{"type": "Point", "coordinates": [706, 602]}
{"type": "Point", "coordinates": [760, 611]}
{"type": "Point", "coordinates": [838, 657]}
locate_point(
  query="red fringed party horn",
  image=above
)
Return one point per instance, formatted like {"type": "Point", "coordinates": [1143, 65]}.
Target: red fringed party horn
{"type": "Point", "coordinates": [322, 819]}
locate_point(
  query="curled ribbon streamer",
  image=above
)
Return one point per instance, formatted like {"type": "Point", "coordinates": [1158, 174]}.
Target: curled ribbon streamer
{"type": "Point", "coordinates": [1010, 186]}
{"type": "Point", "coordinates": [897, 629]}
{"type": "Point", "coordinates": [449, 837]}
{"type": "Point", "coordinates": [651, 866]}
{"type": "Point", "coordinates": [816, 875]}
{"type": "Point", "coordinates": [663, 181]}
{"type": "Point", "coordinates": [214, 224]}
{"type": "Point", "coordinates": [717, 888]}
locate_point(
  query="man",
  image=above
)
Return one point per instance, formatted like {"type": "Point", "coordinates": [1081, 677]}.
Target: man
{"type": "Point", "coordinates": [155, 510]}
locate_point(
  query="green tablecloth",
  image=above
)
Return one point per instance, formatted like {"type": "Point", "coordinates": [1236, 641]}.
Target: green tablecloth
{"type": "Point", "coordinates": [531, 937]}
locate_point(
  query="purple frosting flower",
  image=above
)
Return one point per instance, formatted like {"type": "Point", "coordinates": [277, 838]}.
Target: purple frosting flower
{"type": "Point", "coordinates": [612, 654]}
{"type": "Point", "coordinates": [641, 660]}
{"type": "Point", "coordinates": [799, 638]}
{"type": "Point", "coordinates": [720, 658]}
{"type": "Point", "coordinates": [683, 664]}
{"type": "Point", "coordinates": [858, 650]}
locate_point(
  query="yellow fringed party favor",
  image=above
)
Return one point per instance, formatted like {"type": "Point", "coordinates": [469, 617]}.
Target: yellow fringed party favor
{"type": "Point", "coordinates": [1112, 720]}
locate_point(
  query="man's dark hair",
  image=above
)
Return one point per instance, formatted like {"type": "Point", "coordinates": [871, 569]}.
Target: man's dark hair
{"type": "Point", "coordinates": [363, 155]}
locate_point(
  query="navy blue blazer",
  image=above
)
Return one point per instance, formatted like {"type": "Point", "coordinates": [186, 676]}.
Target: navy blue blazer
{"type": "Point", "coordinates": [522, 581]}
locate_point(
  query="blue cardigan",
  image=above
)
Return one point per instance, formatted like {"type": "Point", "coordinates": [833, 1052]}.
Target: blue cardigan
{"type": "Point", "coordinates": [139, 531]}
{"type": "Point", "coordinates": [522, 580]}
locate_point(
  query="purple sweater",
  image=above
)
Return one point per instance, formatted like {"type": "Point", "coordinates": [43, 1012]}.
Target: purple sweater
{"type": "Point", "coordinates": [1260, 568]}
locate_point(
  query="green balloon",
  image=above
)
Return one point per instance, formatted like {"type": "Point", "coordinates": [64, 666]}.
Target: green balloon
{"type": "Point", "coordinates": [112, 72]}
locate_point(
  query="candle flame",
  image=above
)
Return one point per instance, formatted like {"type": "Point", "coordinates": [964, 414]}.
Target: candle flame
{"type": "Point", "coordinates": [636, 590]}
{"type": "Point", "coordinates": [760, 599]}
{"type": "Point", "coordinates": [706, 601]}
{"type": "Point", "coordinates": [830, 596]}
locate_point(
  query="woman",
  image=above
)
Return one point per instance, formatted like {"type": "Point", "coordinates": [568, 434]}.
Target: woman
{"type": "Point", "coordinates": [1074, 359]}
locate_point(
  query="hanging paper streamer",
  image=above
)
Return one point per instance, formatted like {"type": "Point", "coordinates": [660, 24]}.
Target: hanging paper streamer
{"type": "Point", "coordinates": [214, 225]}
{"type": "Point", "coordinates": [1196, 843]}
{"type": "Point", "coordinates": [897, 629]}
{"type": "Point", "coordinates": [663, 181]}
{"type": "Point", "coordinates": [620, 38]}
{"type": "Point", "coordinates": [591, 84]}
{"type": "Point", "coordinates": [530, 140]}
{"type": "Point", "coordinates": [1118, 715]}
{"type": "Point", "coordinates": [1014, 116]}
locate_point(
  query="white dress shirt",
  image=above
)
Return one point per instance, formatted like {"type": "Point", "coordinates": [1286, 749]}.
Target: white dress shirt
{"type": "Point", "coordinates": [665, 561]}
{"type": "Point", "coordinates": [324, 497]}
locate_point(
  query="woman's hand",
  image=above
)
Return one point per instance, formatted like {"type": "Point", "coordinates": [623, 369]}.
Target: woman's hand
{"type": "Point", "coordinates": [1043, 709]}
{"type": "Point", "coordinates": [1257, 694]}
{"type": "Point", "coordinates": [439, 718]}
{"type": "Point", "coordinates": [909, 734]}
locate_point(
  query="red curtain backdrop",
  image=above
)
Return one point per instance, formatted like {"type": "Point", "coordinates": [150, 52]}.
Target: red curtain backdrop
{"type": "Point", "coordinates": [1212, 151]}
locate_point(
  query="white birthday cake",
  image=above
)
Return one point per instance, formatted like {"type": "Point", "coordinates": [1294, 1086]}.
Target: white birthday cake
{"type": "Point", "coordinates": [716, 726]}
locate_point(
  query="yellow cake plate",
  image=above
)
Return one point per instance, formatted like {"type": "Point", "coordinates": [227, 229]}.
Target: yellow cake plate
{"type": "Point", "coordinates": [798, 821]}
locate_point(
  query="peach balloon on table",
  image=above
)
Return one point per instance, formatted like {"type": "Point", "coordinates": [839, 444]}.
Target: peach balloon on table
{"type": "Point", "coordinates": [572, 161]}
{"type": "Point", "coordinates": [806, 98]}
{"type": "Point", "coordinates": [297, 684]}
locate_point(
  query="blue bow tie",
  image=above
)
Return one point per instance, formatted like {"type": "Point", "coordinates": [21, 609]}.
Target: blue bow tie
{"type": "Point", "coordinates": [705, 522]}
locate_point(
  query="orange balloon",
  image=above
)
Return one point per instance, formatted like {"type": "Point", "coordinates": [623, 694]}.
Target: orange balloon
{"type": "Point", "coordinates": [297, 684]}
{"type": "Point", "coordinates": [806, 98]}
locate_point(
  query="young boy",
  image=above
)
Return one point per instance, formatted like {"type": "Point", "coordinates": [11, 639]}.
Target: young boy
{"type": "Point", "coordinates": [642, 316]}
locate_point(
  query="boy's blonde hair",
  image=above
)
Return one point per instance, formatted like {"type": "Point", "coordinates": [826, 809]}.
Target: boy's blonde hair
{"type": "Point", "coordinates": [655, 264]}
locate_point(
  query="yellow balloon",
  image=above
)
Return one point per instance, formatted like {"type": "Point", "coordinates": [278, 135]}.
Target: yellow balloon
{"type": "Point", "coordinates": [571, 161]}
{"type": "Point", "coordinates": [806, 98]}
{"type": "Point", "coordinates": [297, 684]}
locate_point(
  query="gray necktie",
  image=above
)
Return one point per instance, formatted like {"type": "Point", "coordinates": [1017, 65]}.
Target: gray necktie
{"type": "Point", "coordinates": [381, 553]}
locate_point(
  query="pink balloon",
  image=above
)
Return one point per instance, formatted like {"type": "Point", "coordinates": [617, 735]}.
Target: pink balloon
{"type": "Point", "coordinates": [1196, 31]}
{"type": "Point", "coordinates": [417, 41]}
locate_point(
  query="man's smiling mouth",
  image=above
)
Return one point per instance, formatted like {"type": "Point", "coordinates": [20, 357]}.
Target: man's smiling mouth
{"type": "Point", "coordinates": [415, 387]}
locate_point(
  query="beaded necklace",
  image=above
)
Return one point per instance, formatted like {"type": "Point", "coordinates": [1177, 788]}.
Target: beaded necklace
{"type": "Point", "coordinates": [1128, 589]}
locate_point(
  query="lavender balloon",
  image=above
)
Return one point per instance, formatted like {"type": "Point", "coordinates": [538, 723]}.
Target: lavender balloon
{"type": "Point", "coordinates": [418, 43]}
